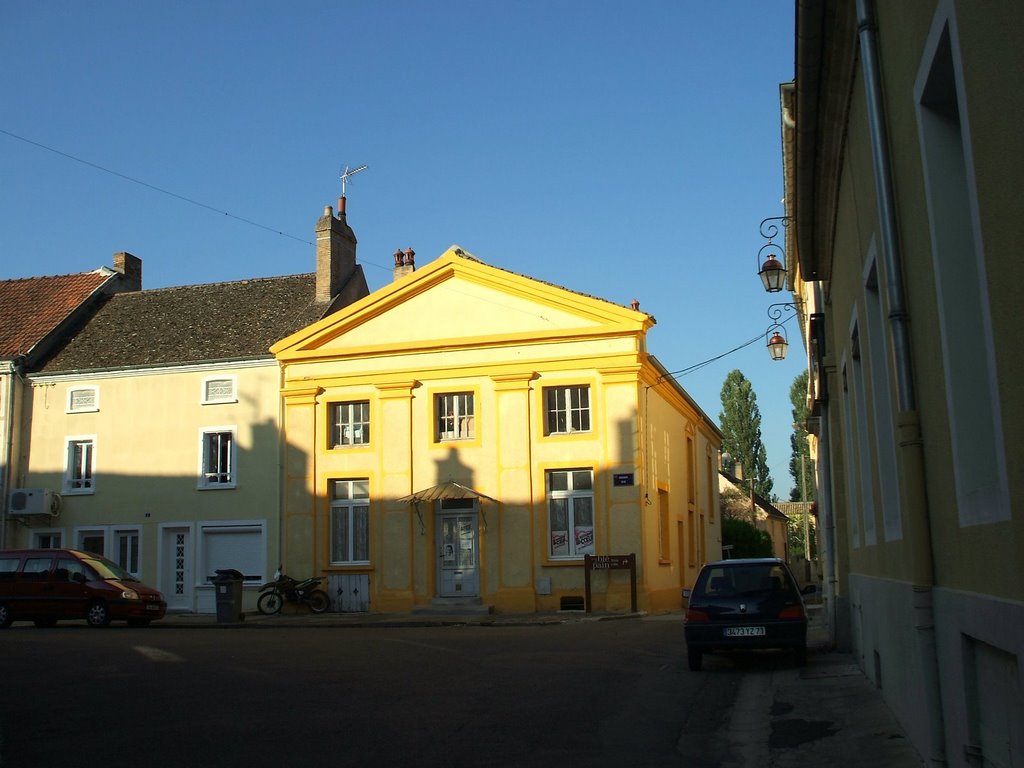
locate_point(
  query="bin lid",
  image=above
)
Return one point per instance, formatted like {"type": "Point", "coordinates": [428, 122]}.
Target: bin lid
{"type": "Point", "coordinates": [229, 573]}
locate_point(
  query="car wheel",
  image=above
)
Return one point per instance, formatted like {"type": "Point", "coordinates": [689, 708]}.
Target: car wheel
{"type": "Point", "coordinates": [319, 601]}
{"type": "Point", "coordinates": [269, 603]}
{"type": "Point", "coordinates": [801, 656]}
{"type": "Point", "coordinates": [694, 657]}
{"type": "Point", "coordinates": [45, 622]}
{"type": "Point", "coordinates": [5, 616]}
{"type": "Point", "coordinates": [98, 615]}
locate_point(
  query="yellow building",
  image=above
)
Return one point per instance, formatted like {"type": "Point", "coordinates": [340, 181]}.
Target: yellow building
{"type": "Point", "coordinates": [466, 435]}
{"type": "Point", "coordinates": [902, 161]}
{"type": "Point", "coordinates": [156, 425]}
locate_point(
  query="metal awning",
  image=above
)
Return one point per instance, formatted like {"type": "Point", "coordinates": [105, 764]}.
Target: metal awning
{"type": "Point", "coordinates": [449, 490]}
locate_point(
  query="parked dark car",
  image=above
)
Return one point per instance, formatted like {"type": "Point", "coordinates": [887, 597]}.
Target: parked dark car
{"type": "Point", "coordinates": [48, 585]}
{"type": "Point", "coordinates": [745, 604]}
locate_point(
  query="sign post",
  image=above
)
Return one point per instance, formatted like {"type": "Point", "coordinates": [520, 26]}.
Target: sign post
{"type": "Point", "coordinates": [610, 563]}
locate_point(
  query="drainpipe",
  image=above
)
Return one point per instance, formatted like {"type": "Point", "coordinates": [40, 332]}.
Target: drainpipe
{"type": "Point", "coordinates": [908, 421]}
{"type": "Point", "coordinates": [13, 373]}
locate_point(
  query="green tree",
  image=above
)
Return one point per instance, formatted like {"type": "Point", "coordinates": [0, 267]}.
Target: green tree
{"type": "Point", "coordinates": [740, 422]}
{"type": "Point", "coordinates": [801, 468]}
{"type": "Point", "coordinates": [746, 540]}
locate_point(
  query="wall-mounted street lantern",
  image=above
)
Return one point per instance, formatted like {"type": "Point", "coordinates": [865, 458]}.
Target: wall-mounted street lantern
{"type": "Point", "coordinates": [771, 255]}
{"type": "Point", "coordinates": [778, 341]}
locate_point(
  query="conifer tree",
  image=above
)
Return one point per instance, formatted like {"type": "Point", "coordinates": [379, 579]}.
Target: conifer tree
{"type": "Point", "coordinates": [740, 422]}
{"type": "Point", "coordinates": [800, 465]}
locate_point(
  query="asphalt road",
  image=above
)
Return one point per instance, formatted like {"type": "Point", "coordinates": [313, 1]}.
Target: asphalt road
{"type": "Point", "coordinates": [611, 693]}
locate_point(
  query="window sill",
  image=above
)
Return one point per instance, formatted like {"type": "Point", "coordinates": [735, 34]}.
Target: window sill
{"type": "Point", "coordinates": [349, 568]}
{"type": "Point", "coordinates": [563, 563]}
{"type": "Point", "coordinates": [78, 491]}
{"type": "Point", "coordinates": [217, 487]}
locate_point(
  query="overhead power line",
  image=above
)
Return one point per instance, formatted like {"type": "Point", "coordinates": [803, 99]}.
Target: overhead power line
{"type": "Point", "coordinates": [155, 188]}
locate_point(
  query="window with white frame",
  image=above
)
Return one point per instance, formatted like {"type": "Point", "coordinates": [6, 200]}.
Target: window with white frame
{"type": "Point", "coordinates": [350, 423]}
{"type": "Point", "coordinates": [126, 549]}
{"type": "Point", "coordinates": [218, 458]}
{"type": "Point", "coordinates": [350, 521]}
{"type": "Point", "coordinates": [455, 419]}
{"type": "Point", "coordinates": [238, 545]}
{"type": "Point", "coordinates": [47, 539]}
{"type": "Point", "coordinates": [219, 389]}
{"type": "Point", "coordinates": [571, 512]}
{"type": "Point", "coordinates": [83, 399]}
{"type": "Point", "coordinates": [78, 471]}
{"type": "Point", "coordinates": [566, 409]}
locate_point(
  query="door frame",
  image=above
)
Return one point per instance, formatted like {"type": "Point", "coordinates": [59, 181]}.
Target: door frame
{"type": "Point", "coordinates": [452, 581]}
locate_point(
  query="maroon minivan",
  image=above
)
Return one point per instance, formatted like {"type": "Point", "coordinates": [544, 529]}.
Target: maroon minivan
{"type": "Point", "coordinates": [48, 585]}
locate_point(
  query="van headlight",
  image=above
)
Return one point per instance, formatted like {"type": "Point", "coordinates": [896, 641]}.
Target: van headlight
{"type": "Point", "coordinates": [130, 594]}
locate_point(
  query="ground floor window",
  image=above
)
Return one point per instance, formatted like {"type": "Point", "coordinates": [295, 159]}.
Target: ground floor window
{"type": "Point", "coordinates": [571, 512]}
{"type": "Point", "coordinates": [47, 540]}
{"type": "Point", "coordinates": [350, 521]}
{"type": "Point", "coordinates": [239, 546]}
{"type": "Point", "coordinates": [114, 542]}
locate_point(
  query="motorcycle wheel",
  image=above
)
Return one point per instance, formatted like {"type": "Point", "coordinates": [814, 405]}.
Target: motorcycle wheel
{"type": "Point", "coordinates": [269, 603]}
{"type": "Point", "coordinates": [318, 601]}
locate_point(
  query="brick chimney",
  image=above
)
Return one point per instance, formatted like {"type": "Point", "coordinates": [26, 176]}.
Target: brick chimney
{"type": "Point", "coordinates": [335, 253]}
{"type": "Point", "coordinates": [404, 263]}
{"type": "Point", "coordinates": [130, 268]}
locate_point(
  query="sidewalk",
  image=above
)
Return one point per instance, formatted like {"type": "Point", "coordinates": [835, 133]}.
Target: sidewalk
{"type": "Point", "coordinates": [825, 714]}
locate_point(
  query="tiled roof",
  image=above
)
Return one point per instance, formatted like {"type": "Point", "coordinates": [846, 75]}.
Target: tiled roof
{"type": "Point", "coordinates": [32, 307]}
{"type": "Point", "coordinates": [191, 324]}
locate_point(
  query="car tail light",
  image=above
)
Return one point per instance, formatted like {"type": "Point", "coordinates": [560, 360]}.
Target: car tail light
{"type": "Point", "coordinates": [791, 612]}
{"type": "Point", "coordinates": [692, 615]}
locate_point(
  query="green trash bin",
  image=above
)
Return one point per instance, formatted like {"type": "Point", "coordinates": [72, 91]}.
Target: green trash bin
{"type": "Point", "coordinates": [227, 585]}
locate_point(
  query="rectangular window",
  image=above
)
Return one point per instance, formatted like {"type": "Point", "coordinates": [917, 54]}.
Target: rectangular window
{"type": "Point", "coordinates": [350, 521]}
{"type": "Point", "coordinates": [350, 423]}
{"type": "Point", "coordinates": [240, 545]}
{"type": "Point", "coordinates": [664, 526]}
{"type": "Point", "coordinates": [219, 389]}
{"type": "Point", "coordinates": [91, 541]}
{"type": "Point", "coordinates": [80, 457]}
{"type": "Point", "coordinates": [455, 419]}
{"type": "Point", "coordinates": [571, 512]}
{"type": "Point", "coordinates": [46, 540]}
{"type": "Point", "coordinates": [127, 555]}
{"type": "Point", "coordinates": [566, 409]}
{"type": "Point", "coordinates": [218, 458]}
{"type": "Point", "coordinates": [83, 400]}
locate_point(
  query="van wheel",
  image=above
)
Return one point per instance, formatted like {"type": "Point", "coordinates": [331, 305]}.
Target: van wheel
{"type": "Point", "coordinates": [98, 615]}
{"type": "Point", "coordinates": [5, 616]}
{"type": "Point", "coordinates": [694, 657]}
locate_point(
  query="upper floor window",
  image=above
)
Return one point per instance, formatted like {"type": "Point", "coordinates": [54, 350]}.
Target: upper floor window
{"type": "Point", "coordinates": [218, 458]}
{"type": "Point", "coordinates": [454, 416]}
{"type": "Point", "coordinates": [219, 389]}
{"type": "Point", "coordinates": [78, 471]}
{"type": "Point", "coordinates": [83, 399]}
{"type": "Point", "coordinates": [566, 409]}
{"type": "Point", "coordinates": [350, 521]}
{"type": "Point", "coordinates": [350, 423]}
{"type": "Point", "coordinates": [571, 512]}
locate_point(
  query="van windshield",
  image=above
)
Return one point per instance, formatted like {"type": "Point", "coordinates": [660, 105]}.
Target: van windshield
{"type": "Point", "coordinates": [109, 570]}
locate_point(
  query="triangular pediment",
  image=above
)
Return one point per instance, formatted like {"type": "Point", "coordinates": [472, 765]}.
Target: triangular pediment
{"type": "Point", "coordinates": [454, 298]}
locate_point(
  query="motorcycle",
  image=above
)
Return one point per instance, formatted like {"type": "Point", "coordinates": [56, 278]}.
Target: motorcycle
{"type": "Point", "coordinates": [286, 589]}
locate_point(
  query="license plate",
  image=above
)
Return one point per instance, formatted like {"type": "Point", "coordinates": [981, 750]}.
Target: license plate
{"type": "Point", "coordinates": [152, 607]}
{"type": "Point", "coordinates": [744, 631]}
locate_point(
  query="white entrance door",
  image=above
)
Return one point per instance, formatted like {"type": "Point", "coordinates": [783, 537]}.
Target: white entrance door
{"type": "Point", "coordinates": [458, 567]}
{"type": "Point", "coordinates": [176, 568]}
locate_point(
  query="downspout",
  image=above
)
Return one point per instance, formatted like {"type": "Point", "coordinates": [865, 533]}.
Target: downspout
{"type": "Point", "coordinates": [13, 372]}
{"type": "Point", "coordinates": [908, 422]}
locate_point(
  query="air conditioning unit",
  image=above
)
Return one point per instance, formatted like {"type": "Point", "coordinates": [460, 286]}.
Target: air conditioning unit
{"type": "Point", "coordinates": [27, 502]}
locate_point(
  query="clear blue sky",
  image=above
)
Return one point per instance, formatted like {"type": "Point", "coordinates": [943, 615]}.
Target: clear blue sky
{"type": "Point", "coordinates": [621, 150]}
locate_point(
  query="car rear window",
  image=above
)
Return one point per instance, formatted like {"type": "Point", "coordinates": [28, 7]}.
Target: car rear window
{"type": "Point", "coordinates": [752, 579]}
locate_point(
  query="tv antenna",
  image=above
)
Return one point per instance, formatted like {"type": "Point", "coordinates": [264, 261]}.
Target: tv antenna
{"type": "Point", "coordinates": [346, 173]}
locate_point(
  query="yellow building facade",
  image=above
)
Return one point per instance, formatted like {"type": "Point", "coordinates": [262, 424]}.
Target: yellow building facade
{"type": "Point", "coordinates": [466, 435]}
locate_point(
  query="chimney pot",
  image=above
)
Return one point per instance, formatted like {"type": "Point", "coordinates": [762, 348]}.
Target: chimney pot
{"type": "Point", "coordinates": [635, 305]}
{"type": "Point", "coordinates": [409, 254]}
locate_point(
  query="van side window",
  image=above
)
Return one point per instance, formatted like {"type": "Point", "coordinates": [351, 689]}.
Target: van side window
{"type": "Point", "coordinates": [8, 565]}
{"type": "Point", "coordinates": [36, 568]}
{"type": "Point", "coordinates": [67, 568]}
